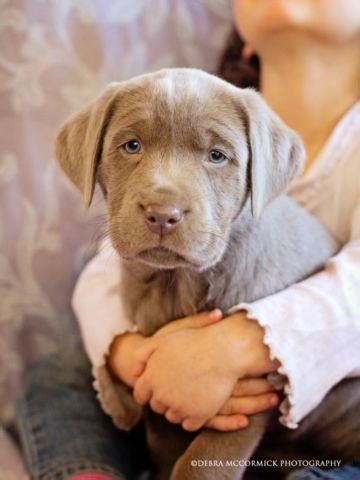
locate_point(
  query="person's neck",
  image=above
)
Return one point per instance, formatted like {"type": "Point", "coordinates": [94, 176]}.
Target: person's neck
{"type": "Point", "coordinates": [311, 86]}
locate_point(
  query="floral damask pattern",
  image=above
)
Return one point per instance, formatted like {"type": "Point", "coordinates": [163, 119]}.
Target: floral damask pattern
{"type": "Point", "coordinates": [55, 55]}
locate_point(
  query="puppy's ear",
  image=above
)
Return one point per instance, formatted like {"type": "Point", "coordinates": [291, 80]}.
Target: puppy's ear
{"type": "Point", "coordinates": [79, 143]}
{"type": "Point", "coordinates": [276, 152]}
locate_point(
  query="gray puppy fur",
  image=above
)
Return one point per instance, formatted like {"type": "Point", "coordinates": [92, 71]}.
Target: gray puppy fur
{"type": "Point", "coordinates": [238, 238]}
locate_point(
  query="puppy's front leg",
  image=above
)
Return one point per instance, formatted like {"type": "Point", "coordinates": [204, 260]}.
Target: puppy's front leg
{"type": "Point", "coordinates": [214, 455]}
{"type": "Point", "coordinates": [166, 443]}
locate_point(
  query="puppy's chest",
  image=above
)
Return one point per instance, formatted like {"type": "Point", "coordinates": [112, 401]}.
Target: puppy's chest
{"type": "Point", "coordinates": [152, 301]}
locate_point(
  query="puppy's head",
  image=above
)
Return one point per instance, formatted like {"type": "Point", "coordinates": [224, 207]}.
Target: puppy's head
{"type": "Point", "coordinates": [177, 153]}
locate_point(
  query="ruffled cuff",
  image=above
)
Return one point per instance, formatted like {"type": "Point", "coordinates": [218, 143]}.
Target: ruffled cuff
{"type": "Point", "coordinates": [315, 349]}
{"type": "Point", "coordinates": [279, 379]}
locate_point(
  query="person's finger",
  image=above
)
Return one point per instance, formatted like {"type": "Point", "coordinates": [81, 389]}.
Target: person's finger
{"type": "Point", "coordinates": [173, 416]}
{"type": "Point", "coordinates": [202, 319]}
{"type": "Point", "coordinates": [142, 392]}
{"type": "Point", "coordinates": [157, 406]}
{"type": "Point", "coordinates": [249, 405]}
{"type": "Point", "coordinates": [142, 355]}
{"type": "Point", "coordinates": [194, 321]}
{"type": "Point", "coordinates": [247, 51]}
{"type": "Point", "coordinates": [192, 424]}
{"type": "Point", "coordinates": [228, 423]}
{"type": "Point", "coordinates": [252, 386]}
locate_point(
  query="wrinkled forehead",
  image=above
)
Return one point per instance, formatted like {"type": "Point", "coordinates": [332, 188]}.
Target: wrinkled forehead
{"type": "Point", "coordinates": [179, 107]}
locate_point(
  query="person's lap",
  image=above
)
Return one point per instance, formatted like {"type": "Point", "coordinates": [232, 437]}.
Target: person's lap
{"type": "Point", "coordinates": [64, 431]}
{"type": "Point", "coordinates": [347, 472]}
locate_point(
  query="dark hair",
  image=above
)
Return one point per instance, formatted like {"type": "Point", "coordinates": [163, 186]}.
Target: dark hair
{"type": "Point", "coordinates": [236, 69]}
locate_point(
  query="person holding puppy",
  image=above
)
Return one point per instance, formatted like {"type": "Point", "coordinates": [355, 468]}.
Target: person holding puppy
{"type": "Point", "coordinates": [308, 334]}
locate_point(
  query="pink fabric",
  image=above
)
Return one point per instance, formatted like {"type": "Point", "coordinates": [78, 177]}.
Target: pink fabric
{"type": "Point", "coordinates": [93, 476]}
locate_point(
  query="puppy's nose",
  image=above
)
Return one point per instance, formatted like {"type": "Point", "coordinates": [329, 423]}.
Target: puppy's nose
{"type": "Point", "coordinates": [162, 219]}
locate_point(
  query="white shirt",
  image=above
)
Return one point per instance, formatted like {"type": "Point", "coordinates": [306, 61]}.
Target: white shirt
{"type": "Point", "coordinates": [312, 328]}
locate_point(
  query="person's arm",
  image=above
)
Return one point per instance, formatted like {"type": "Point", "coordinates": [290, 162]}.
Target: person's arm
{"type": "Point", "coordinates": [313, 329]}
{"type": "Point", "coordinates": [97, 305]}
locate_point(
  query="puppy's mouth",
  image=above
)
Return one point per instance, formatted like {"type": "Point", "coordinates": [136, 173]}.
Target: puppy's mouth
{"type": "Point", "coordinates": [162, 257]}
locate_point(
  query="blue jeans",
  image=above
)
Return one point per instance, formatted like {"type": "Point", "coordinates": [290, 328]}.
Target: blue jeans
{"type": "Point", "coordinates": [347, 472]}
{"type": "Point", "coordinates": [64, 431]}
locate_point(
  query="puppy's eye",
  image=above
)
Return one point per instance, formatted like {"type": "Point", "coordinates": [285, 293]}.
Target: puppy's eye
{"type": "Point", "coordinates": [132, 146]}
{"type": "Point", "coordinates": [217, 157]}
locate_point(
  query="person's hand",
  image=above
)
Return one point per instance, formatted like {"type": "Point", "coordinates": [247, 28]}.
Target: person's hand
{"type": "Point", "coordinates": [187, 376]}
{"type": "Point", "coordinates": [191, 373]}
{"type": "Point", "coordinates": [121, 360]}
{"type": "Point", "coordinates": [250, 396]}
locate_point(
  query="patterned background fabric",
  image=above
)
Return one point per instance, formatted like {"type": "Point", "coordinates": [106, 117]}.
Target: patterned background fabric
{"type": "Point", "coordinates": [56, 55]}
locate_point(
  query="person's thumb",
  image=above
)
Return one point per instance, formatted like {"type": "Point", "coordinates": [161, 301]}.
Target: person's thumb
{"type": "Point", "coordinates": [142, 355]}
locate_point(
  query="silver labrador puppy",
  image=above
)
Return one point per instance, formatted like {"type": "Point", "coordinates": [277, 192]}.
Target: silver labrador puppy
{"type": "Point", "coordinates": [193, 171]}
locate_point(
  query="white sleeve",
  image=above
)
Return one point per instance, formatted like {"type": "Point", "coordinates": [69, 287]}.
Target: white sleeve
{"type": "Point", "coordinates": [313, 329]}
{"type": "Point", "coordinates": [97, 305]}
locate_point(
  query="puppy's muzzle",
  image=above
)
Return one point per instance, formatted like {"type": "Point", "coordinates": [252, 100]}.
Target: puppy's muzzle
{"type": "Point", "coordinates": [162, 219]}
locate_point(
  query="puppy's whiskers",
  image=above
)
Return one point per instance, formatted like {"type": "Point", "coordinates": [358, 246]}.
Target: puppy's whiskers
{"type": "Point", "coordinates": [213, 234]}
